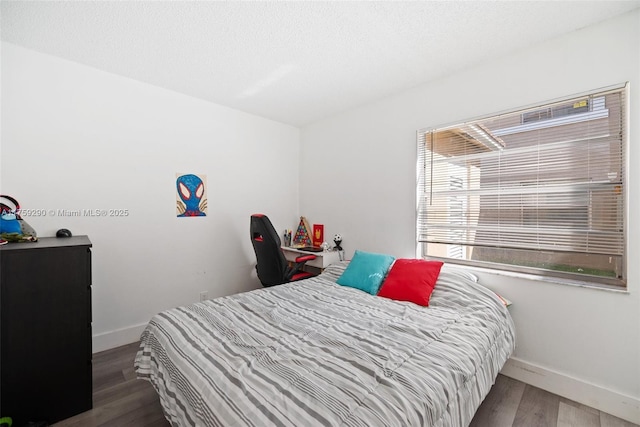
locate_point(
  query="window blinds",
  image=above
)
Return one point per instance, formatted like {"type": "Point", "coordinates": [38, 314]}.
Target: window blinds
{"type": "Point", "coordinates": [549, 178]}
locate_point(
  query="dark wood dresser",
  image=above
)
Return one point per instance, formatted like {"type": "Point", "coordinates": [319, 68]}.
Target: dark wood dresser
{"type": "Point", "coordinates": [45, 329]}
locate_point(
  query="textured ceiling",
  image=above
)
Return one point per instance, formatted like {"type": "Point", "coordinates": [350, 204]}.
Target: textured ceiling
{"type": "Point", "coordinates": [294, 62]}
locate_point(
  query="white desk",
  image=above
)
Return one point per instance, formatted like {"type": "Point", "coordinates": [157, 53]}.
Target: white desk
{"type": "Point", "coordinates": [322, 261]}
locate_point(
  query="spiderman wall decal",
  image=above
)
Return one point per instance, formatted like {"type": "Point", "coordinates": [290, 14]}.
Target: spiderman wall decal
{"type": "Point", "coordinates": [192, 195]}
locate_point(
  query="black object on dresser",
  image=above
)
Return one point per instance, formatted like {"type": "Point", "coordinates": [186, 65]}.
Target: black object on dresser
{"type": "Point", "coordinates": [45, 341]}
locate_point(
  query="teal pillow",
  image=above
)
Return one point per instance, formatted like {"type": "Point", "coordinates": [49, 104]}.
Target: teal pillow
{"type": "Point", "coordinates": [366, 271]}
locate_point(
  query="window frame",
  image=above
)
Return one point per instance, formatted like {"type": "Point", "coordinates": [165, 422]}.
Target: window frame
{"type": "Point", "coordinates": [613, 283]}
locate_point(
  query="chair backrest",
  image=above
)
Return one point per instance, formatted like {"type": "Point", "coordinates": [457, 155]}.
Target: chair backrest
{"type": "Point", "coordinates": [271, 265]}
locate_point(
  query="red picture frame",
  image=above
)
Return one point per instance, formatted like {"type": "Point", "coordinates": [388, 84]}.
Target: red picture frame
{"type": "Point", "coordinates": [317, 237]}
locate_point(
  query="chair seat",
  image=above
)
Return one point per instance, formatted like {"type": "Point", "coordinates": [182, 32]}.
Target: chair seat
{"type": "Point", "coordinates": [301, 275]}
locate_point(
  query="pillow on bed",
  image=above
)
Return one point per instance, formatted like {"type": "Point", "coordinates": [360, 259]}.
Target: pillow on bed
{"type": "Point", "coordinates": [459, 271]}
{"type": "Point", "coordinates": [366, 271]}
{"type": "Point", "coordinates": [411, 280]}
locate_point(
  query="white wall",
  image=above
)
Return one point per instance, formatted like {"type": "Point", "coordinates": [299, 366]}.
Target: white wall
{"type": "Point", "coordinates": [581, 343]}
{"type": "Point", "coordinates": [74, 138]}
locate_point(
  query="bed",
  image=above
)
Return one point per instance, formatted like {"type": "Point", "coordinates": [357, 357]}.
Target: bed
{"type": "Point", "coordinates": [315, 353]}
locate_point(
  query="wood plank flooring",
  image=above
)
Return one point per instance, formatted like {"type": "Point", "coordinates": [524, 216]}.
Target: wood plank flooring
{"type": "Point", "coordinates": [512, 403]}
{"type": "Point", "coordinates": [119, 399]}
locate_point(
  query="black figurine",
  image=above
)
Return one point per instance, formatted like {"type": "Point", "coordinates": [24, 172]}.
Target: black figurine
{"type": "Point", "coordinates": [337, 239]}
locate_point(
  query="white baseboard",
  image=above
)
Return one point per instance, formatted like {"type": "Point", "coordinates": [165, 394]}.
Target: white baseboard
{"type": "Point", "coordinates": [111, 339]}
{"type": "Point", "coordinates": [595, 396]}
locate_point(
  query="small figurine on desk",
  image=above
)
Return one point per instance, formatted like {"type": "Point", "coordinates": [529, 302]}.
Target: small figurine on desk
{"type": "Point", "coordinates": [337, 239]}
{"type": "Point", "coordinates": [287, 237]}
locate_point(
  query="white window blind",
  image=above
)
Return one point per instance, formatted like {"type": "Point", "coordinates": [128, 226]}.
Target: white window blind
{"type": "Point", "coordinates": [538, 190]}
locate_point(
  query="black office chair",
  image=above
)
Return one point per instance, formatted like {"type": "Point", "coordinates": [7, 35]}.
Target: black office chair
{"type": "Point", "coordinates": [272, 267]}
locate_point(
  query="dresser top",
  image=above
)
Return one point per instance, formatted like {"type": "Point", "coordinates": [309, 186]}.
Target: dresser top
{"type": "Point", "coordinates": [48, 242]}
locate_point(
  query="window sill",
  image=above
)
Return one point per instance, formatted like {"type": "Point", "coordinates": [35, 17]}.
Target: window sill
{"type": "Point", "coordinates": [546, 279]}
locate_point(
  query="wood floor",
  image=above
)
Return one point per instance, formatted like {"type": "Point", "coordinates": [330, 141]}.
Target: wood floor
{"type": "Point", "coordinates": [119, 399]}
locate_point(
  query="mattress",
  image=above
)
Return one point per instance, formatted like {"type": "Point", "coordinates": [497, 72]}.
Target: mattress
{"type": "Point", "coordinates": [314, 353]}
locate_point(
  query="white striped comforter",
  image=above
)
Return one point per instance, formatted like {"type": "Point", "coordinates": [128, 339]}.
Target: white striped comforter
{"type": "Point", "coordinates": [314, 353]}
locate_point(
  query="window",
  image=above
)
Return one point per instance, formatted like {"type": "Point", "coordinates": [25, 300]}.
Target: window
{"type": "Point", "coordinates": [538, 191]}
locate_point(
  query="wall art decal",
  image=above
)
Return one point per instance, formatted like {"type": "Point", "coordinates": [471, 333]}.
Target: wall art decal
{"type": "Point", "coordinates": [191, 196]}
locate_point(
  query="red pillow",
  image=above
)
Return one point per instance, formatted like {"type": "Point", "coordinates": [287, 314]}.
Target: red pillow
{"type": "Point", "coordinates": [411, 280]}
